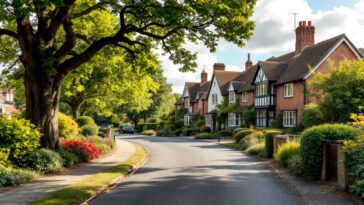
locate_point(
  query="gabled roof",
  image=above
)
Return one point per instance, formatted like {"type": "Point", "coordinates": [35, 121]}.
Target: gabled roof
{"type": "Point", "coordinates": [192, 89]}
{"type": "Point", "coordinates": [224, 77]}
{"type": "Point", "coordinates": [247, 77]}
{"type": "Point", "coordinates": [203, 89]}
{"type": "Point", "coordinates": [180, 101]}
{"type": "Point", "coordinates": [236, 85]}
{"type": "Point", "coordinates": [299, 65]}
{"type": "Point", "coordinates": [271, 69]}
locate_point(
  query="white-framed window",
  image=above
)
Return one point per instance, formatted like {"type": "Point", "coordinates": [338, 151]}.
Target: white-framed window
{"type": "Point", "coordinates": [231, 97]}
{"type": "Point", "coordinates": [261, 89]}
{"type": "Point", "coordinates": [288, 90]}
{"type": "Point", "coordinates": [208, 120]}
{"type": "Point", "coordinates": [186, 120]}
{"type": "Point", "coordinates": [261, 118]}
{"type": "Point", "coordinates": [187, 103]}
{"type": "Point", "coordinates": [289, 118]}
{"type": "Point", "coordinates": [200, 104]}
{"type": "Point", "coordinates": [231, 119]}
{"type": "Point", "coordinates": [245, 97]}
{"type": "Point", "coordinates": [214, 99]}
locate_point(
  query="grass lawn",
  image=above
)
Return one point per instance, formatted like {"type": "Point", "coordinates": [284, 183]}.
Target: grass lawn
{"type": "Point", "coordinates": [80, 191]}
{"type": "Point", "coordinates": [232, 145]}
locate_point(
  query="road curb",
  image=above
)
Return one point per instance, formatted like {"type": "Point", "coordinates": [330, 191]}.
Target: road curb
{"type": "Point", "coordinates": [122, 177]}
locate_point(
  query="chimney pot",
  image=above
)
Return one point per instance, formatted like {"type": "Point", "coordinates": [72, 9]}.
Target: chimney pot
{"type": "Point", "coordinates": [309, 23]}
{"type": "Point", "coordinates": [219, 66]}
{"type": "Point", "coordinates": [203, 76]}
{"type": "Point", "coordinates": [248, 63]}
{"type": "Point", "coordinates": [305, 35]}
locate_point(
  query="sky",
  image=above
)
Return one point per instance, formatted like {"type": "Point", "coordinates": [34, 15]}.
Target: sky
{"type": "Point", "coordinates": [274, 35]}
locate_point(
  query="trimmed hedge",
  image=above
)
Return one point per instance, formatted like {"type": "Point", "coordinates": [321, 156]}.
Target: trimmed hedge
{"type": "Point", "coordinates": [205, 136]}
{"type": "Point", "coordinates": [146, 126]}
{"type": "Point", "coordinates": [251, 139]}
{"type": "Point", "coordinates": [241, 134]}
{"type": "Point", "coordinates": [89, 130]}
{"type": "Point", "coordinates": [237, 130]}
{"type": "Point", "coordinates": [85, 120]}
{"type": "Point", "coordinates": [312, 144]}
{"type": "Point", "coordinates": [311, 115]}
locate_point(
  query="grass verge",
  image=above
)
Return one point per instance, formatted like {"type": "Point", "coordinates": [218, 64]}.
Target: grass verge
{"type": "Point", "coordinates": [232, 145]}
{"type": "Point", "coordinates": [80, 191]}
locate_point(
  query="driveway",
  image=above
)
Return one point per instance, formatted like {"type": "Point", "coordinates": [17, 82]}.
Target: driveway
{"type": "Point", "coordinates": [188, 172]}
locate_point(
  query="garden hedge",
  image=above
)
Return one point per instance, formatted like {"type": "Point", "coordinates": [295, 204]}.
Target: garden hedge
{"type": "Point", "coordinates": [241, 134]}
{"type": "Point", "coordinates": [205, 136]}
{"type": "Point", "coordinates": [146, 126]}
{"type": "Point", "coordinates": [312, 144]}
{"type": "Point", "coordinates": [67, 126]}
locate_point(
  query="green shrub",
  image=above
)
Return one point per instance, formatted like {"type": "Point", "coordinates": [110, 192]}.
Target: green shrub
{"type": "Point", "coordinates": [286, 151]}
{"type": "Point", "coordinates": [146, 126]}
{"type": "Point", "coordinates": [312, 144]}
{"type": "Point", "coordinates": [42, 160]}
{"type": "Point", "coordinates": [4, 155]}
{"type": "Point", "coordinates": [256, 149]}
{"type": "Point", "coordinates": [187, 132]}
{"type": "Point", "coordinates": [297, 129]}
{"type": "Point", "coordinates": [251, 139]}
{"type": "Point", "coordinates": [269, 146]}
{"type": "Point", "coordinates": [69, 159]}
{"type": "Point", "coordinates": [242, 133]}
{"type": "Point", "coordinates": [85, 120]}
{"type": "Point", "coordinates": [153, 120]}
{"type": "Point", "coordinates": [18, 137]}
{"type": "Point", "coordinates": [67, 126]}
{"type": "Point", "coordinates": [295, 164]}
{"type": "Point", "coordinates": [149, 132]}
{"type": "Point", "coordinates": [311, 115]}
{"type": "Point", "coordinates": [205, 136]}
{"type": "Point", "coordinates": [10, 176]}
{"type": "Point", "coordinates": [354, 150]}
{"type": "Point", "coordinates": [237, 130]}
{"type": "Point", "coordinates": [205, 129]}
{"type": "Point", "coordinates": [278, 121]}
{"type": "Point", "coordinates": [199, 123]}
{"type": "Point", "coordinates": [224, 133]}
{"type": "Point", "coordinates": [89, 130]}
{"type": "Point", "coordinates": [249, 117]}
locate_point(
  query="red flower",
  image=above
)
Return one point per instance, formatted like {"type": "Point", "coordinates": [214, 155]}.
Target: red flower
{"type": "Point", "coordinates": [85, 151]}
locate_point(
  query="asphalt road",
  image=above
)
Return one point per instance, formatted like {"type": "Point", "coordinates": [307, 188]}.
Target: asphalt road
{"type": "Point", "coordinates": [188, 172]}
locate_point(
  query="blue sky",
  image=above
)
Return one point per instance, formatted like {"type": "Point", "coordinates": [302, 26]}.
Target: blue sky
{"type": "Point", "coordinates": [274, 34]}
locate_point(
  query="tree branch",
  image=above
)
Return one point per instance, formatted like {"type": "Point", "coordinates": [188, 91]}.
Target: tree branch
{"type": "Point", "coordinates": [69, 42]}
{"type": "Point", "coordinates": [8, 33]}
{"type": "Point", "coordinates": [82, 37]}
{"type": "Point", "coordinates": [90, 9]}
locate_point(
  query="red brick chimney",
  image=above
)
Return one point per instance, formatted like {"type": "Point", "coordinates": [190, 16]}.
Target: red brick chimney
{"type": "Point", "coordinates": [219, 66]}
{"type": "Point", "coordinates": [248, 63]}
{"type": "Point", "coordinates": [305, 35]}
{"type": "Point", "coordinates": [203, 76]}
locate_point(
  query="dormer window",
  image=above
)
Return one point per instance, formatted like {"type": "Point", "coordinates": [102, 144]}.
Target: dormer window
{"type": "Point", "coordinates": [245, 97]}
{"type": "Point", "coordinates": [187, 103]}
{"type": "Point", "coordinates": [231, 97]}
{"type": "Point", "coordinates": [288, 90]}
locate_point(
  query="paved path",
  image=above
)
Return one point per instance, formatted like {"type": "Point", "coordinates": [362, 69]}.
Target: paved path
{"type": "Point", "coordinates": [190, 172]}
{"type": "Point", "coordinates": [44, 185]}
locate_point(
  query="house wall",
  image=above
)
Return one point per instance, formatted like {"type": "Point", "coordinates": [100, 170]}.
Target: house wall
{"type": "Point", "coordinates": [214, 90]}
{"type": "Point", "coordinates": [194, 107]}
{"type": "Point", "coordinates": [297, 101]}
{"type": "Point", "coordinates": [205, 107]}
{"type": "Point", "coordinates": [250, 99]}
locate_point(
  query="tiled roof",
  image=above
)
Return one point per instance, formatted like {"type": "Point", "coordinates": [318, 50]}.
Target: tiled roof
{"type": "Point", "coordinates": [361, 50]}
{"type": "Point", "coordinates": [192, 89]}
{"type": "Point", "coordinates": [203, 96]}
{"type": "Point", "coordinates": [298, 65]}
{"type": "Point", "coordinates": [247, 77]}
{"type": "Point", "coordinates": [236, 85]}
{"type": "Point", "coordinates": [224, 77]}
{"type": "Point", "coordinates": [272, 70]}
{"type": "Point", "coordinates": [180, 101]}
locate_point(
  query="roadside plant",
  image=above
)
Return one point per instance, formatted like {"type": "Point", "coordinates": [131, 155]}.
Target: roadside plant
{"type": "Point", "coordinates": [67, 126]}
{"type": "Point", "coordinates": [286, 151]}
{"type": "Point", "coordinates": [205, 136]}
{"type": "Point", "coordinates": [69, 159]}
{"type": "Point", "coordinates": [205, 129]}
{"type": "Point", "coordinates": [42, 160]}
{"type": "Point", "coordinates": [242, 133]}
{"type": "Point", "coordinates": [295, 164]}
{"type": "Point", "coordinates": [149, 132]}
{"type": "Point", "coordinates": [85, 151]}
{"type": "Point", "coordinates": [256, 149]}
{"type": "Point", "coordinates": [11, 176]}
{"type": "Point", "coordinates": [251, 139]}
{"type": "Point", "coordinates": [311, 115]}
{"type": "Point", "coordinates": [89, 130]}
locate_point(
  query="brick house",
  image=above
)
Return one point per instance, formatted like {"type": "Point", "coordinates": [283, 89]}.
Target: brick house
{"type": "Point", "coordinates": [7, 107]}
{"type": "Point", "coordinates": [281, 84]}
{"type": "Point", "coordinates": [194, 99]}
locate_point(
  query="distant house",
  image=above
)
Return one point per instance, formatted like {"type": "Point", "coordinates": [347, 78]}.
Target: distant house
{"type": "Point", "coordinates": [7, 107]}
{"type": "Point", "coordinates": [280, 85]}
{"type": "Point", "coordinates": [194, 99]}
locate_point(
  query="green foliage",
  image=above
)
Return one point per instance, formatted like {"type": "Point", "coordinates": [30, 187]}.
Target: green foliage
{"type": "Point", "coordinates": [153, 120]}
{"type": "Point", "coordinates": [85, 120]}
{"type": "Point", "coordinates": [256, 149]}
{"type": "Point", "coordinates": [224, 109]}
{"type": "Point", "coordinates": [42, 160]}
{"type": "Point", "coordinates": [89, 130]}
{"type": "Point", "coordinates": [18, 138]}
{"type": "Point", "coordinates": [278, 121]}
{"type": "Point", "coordinates": [251, 139]}
{"type": "Point", "coordinates": [286, 151]}
{"type": "Point", "coordinates": [311, 115]}
{"type": "Point", "coordinates": [249, 117]}
{"type": "Point", "coordinates": [269, 145]}
{"type": "Point", "coordinates": [242, 133]}
{"type": "Point", "coordinates": [149, 132]}
{"type": "Point", "coordinates": [199, 123]}
{"type": "Point", "coordinates": [312, 144]}
{"type": "Point", "coordinates": [4, 155]}
{"type": "Point", "coordinates": [296, 130]}
{"type": "Point", "coordinates": [146, 126]}
{"type": "Point", "coordinates": [237, 130]}
{"type": "Point", "coordinates": [187, 132]}
{"type": "Point", "coordinates": [69, 159]}
{"type": "Point", "coordinates": [67, 126]}
{"type": "Point", "coordinates": [295, 164]}
{"type": "Point", "coordinates": [340, 92]}
{"type": "Point", "coordinates": [224, 133]}
{"type": "Point", "coordinates": [354, 150]}
{"type": "Point", "coordinates": [11, 176]}
{"type": "Point", "coordinates": [205, 136]}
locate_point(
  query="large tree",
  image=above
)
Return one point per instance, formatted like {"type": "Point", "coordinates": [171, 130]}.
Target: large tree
{"type": "Point", "coordinates": [49, 46]}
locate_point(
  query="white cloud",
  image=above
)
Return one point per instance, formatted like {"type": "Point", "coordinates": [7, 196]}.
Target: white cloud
{"type": "Point", "coordinates": [274, 34]}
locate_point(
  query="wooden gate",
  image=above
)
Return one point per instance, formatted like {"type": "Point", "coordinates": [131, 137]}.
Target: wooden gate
{"type": "Point", "coordinates": [331, 161]}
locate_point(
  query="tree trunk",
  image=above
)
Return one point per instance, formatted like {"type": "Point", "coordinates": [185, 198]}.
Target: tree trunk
{"type": "Point", "coordinates": [42, 104]}
{"type": "Point", "coordinates": [76, 109]}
